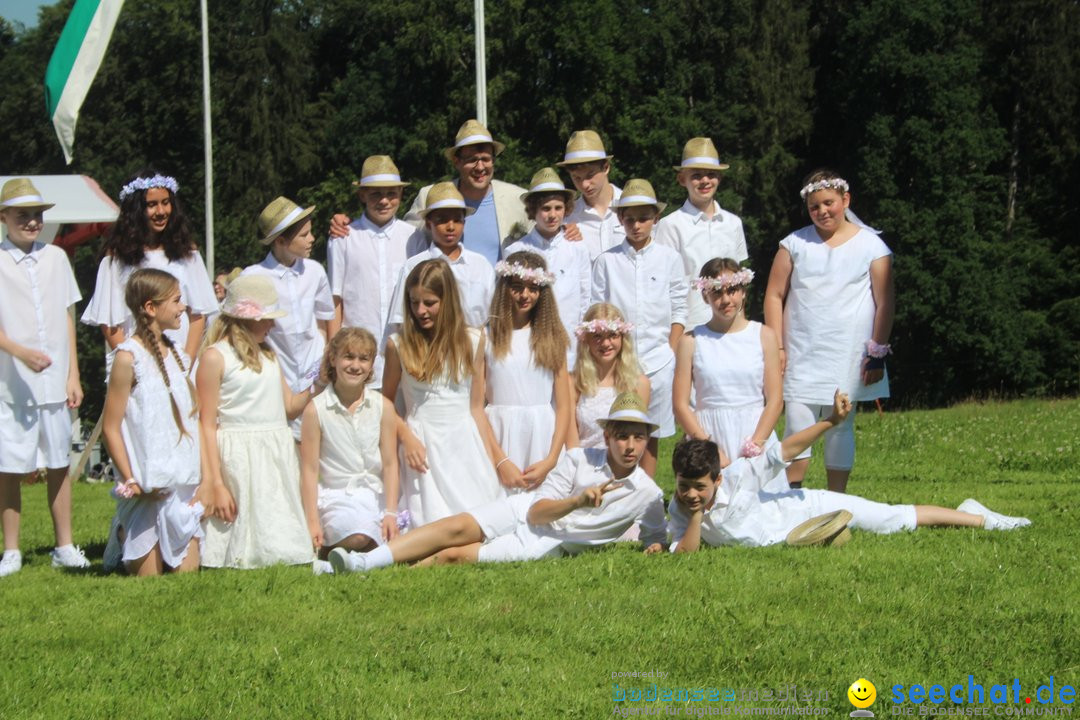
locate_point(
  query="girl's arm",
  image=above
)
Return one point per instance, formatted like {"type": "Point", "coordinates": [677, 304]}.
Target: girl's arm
{"type": "Point", "coordinates": [114, 335]}
{"type": "Point", "coordinates": [212, 492]}
{"type": "Point", "coordinates": [196, 327]}
{"type": "Point", "coordinates": [333, 327]}
{"type": "Point", "coordinates": [310, 448]}
{"type": "Point", "coordinates": [391, 478]}
{"type": "Point", "coordinates": [681, 387]}
{"type": "Point", "coordinates": [644, 388]}
{"type": "Point", "coordinates": [772, 387]}
{"type": "Point", "coordinates": [415, 454]}
{"type": "Point", "coordinates": [535, 473]}
{"type": "Point", "coordinates": [775, 295]}
{"type": "Point", "coordinates": [573, 435]}
{"type": "Point", "coordinates": [296, 402]}
{"type": "Point", "coordinates": [324, 328]}
{"type": "Point", "coordinates": [116, 400]}
{"type": "Point", "coordinates": [881, 285]}
{"type": "Point", "coordinates": [509, 474]}
{"type": "Point", "coordinates": [74, 386]}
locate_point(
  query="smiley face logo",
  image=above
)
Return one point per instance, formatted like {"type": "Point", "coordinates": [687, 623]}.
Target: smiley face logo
{"type": "Point", "coordinates": [862, 693]}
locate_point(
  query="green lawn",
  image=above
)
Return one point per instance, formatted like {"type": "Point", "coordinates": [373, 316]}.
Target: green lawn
{"type": "Point", "coordinates": [543, 639]}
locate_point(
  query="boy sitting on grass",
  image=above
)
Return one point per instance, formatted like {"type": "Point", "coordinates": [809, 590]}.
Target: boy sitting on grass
{"type": "Point", "coordinates": [731, 510]}
{"type": "Point", "coordinates": [590, 499]}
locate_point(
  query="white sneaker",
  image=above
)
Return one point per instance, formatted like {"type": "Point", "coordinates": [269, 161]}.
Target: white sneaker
{"type": "Point", "coordinates": [344, 561]}
{"type": "Point", "coordinates": [11, 563]}
{"type": "Point", "coordinates": [992, 520]}
{"type": "Point", "coordinates": [321, 567]}
{"type": "Point", "coordinates": [69, 556]}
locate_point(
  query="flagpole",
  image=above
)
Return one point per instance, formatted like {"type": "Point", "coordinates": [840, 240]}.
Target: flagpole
{"type": "Point", "coordinates": [208, 147]}
{"type": "Point", "coordinates": [481, 64]}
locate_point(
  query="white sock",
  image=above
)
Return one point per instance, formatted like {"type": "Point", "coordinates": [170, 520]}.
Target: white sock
{"type": "Point", "coordinates": [13, 553]}
{"type": "Point", "coordinates": [380, 557]}
{"type": "Point", "coordinates": [63, 547]}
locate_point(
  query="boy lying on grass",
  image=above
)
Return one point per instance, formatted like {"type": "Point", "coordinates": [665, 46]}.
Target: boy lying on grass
{"type": "Point", "coordinates": [732, 510]}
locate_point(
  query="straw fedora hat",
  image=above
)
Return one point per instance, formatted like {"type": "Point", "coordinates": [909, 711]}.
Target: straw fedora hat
{"type": "Point", "coordinates": [252, 297]}
{"type": "Point", "coordinates": [472, 133]}
{"type": "Point", "coordinates": [445, 195]}
{"type": "Point", "coordinates": [584, 146]}
{"type": "Point", "coordinates": [700, 154]}
{"type": "Point", "coordinates": [628, 407]}
{"type": "Point", "coordinates": [546, 181]}
{"type": "Point", "coordinates": [828, 529]}
{"type": "Point", "coordinates": [379, 171]}
{"type": "Point", "coordinates": [277, 217]}
{"type": "Point", "coordinates": [20, 192]}
{"type": "Point", "coordinates": [638, 192]}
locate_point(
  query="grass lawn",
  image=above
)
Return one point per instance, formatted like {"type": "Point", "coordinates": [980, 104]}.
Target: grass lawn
{"type": "Point", "coordinates": [543, 639]}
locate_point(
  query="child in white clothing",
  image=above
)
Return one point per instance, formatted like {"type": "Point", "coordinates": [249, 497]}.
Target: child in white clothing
{"type": "Point", "coordinates": [348, 453]}
{"type": "Point", "coordinates": [39, 372]}
{"type": "Point", "coordinates": [593, 216]}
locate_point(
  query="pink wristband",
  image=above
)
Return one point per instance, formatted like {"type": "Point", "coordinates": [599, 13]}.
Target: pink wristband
{"type": "Point", "coordinates": [876, 350]}
{"type": "Point", "coordinates": [751, 449]}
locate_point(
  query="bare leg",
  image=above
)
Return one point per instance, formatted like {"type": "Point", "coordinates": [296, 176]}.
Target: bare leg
{"type": "Point", "coordinates": [190, 563]}
{"type": "Point", "coordinates": [149, 564]}
{"type": "Point", "coordinates": [932, 515]}
{"type": "Point", "coordinates": [358, 542]}
{"type": "Point", "coordinates": [454, 531]}
{"type": "Point", "coordinates": [648, 460]}
{"type": "Point", "coordinates": [837, 479]}
{"type": "Point", "coordinates": [457, 555]}
{"type": "Point", "coordinates": [60, 504]}
{"type": "Point", "coordinates": [796, 472]}
{"type": "Point", "coordinates": [10, 508]}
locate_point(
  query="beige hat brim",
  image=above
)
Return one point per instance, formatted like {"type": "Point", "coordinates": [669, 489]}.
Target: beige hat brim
{"type": "Point", "coordinates": [299, 219]}
{"type": "Point", "coordinates": [28, 206]}
{"type": "Point", "coordinates": [658, 205]}
{"type": "Point", "coordinates": [571, 195]}
{"type": "Point", "coordinates": [582, 161]}
{"type": "Point", "coordinates": [468, 210]}
{"type": "Point", "coordinates": [828, 529]}
{"type": "Point", "coordinates": [451, 152]}
{"type": "Point", "coordinates": [360, 185]}
{"type": "Point", "coordinates": [699, 166]}
{"type": "Point", "coordinates": [628, 416]}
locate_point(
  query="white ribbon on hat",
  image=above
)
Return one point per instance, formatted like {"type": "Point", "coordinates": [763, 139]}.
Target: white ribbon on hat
{"type": "Point", "coordinates": [474, 140]}
{"type": "Point", "coordinates": [592, 154]}
{"type": "Point", "coordinates": [380, 177]}
{"type": "Point", "coordinates": [37, 199]}
{"type": "Point", "coordinates": [448, 202]}
{"type": "Point", "coordinates": [550, 185]}
{"type": "Point", "coordinates": [285, 223]}
{"type": "Point", "coordinates": [626, 199]}
{"type": "Point", "coordinates": [701, 161]}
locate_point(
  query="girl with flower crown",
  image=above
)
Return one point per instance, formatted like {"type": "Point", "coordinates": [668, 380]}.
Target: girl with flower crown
{"type": "Point", "coordinates": [606, 365]}
{"type": "Point", "coordinates": [524, 378]}
{"type": "Point", "coordinates": [731, 365]}
{"type": "Point", "coordinates": [152, 231]}
{"type": "Point", "coordinates": [830, 301]}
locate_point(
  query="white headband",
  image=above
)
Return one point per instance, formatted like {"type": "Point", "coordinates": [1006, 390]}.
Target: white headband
{"type": "Point", "coordinates": [25, 200]}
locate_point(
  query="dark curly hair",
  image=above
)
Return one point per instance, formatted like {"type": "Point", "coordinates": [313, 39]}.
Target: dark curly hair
{"type": "Point", "coordinates": [131, 234]}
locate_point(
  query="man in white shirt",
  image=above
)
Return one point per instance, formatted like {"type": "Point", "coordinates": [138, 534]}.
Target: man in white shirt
{"type": "Point", "coordinates": [590, 499]}
{"type": "Point", "coordinates": [593, 214]}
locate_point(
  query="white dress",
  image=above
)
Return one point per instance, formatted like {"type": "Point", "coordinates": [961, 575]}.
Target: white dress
{"type": "Point", "coordinates": [460, 474]}
{"type": "Point", "coordinates": [107, 306]}
{"type": "Point", "coordinates": [829, 316]}
{"type": "Point", "coordinates": [261, 468]}
{"type": "Point", "coordinates": [589, 409]}
{"type": "Point", "coordinates": [161, 459]}
{"type": "Point", "coordinates": [519, 401]}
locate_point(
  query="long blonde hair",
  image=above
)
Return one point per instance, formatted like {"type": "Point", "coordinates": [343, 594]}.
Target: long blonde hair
{"type": "Point", "coordinates": [548, 339]}
{"type": "Point", "coordinates": [446, 348]}
{"type": "Point", "coordinates": [157, 286]}
{"type": "Point", "coordinates": [627, 369]}
{"type": "Point", "coordinates": [235, 332]}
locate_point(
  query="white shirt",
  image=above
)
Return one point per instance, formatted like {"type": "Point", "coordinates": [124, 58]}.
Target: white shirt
{"type": "Point", "coordinates": [36, 290]}
{"type": "Point", "coordinates": [649, 287]}
{"type": "Point", "coordinates": [349, 453]}
{"type": "Point", "coordinates": [598, 233]}
{"type": "Point", "coordinates": [475, 278]}
{"type": "Point", "coordinates": [572, 267]}
{"type": "Point", "coordinates": [638, 500]}
{"type": "Point", "coordinates": [304, 293]}
{"type": "Point", "coordinates": [699, 239]}
{"type": "Point", "coordinates": [364, 267]}
{"type": "Point", "coordinates": [740, 514]}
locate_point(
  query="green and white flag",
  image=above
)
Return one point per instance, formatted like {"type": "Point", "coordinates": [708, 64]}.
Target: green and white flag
{"type": "Point", "coordinates": [75, 62]}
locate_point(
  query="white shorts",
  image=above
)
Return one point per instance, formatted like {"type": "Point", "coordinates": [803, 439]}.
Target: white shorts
{"type": "Point", "coordinates": [839, 441]}
{"type": "Point", "coordinates": [866, 514]}
{"type": "Point", "coordinates": [34, 437]}
{"type": "Point", "coordinates": [508, 537]}
{"type": "Point", "coordinates": [661, 411]}
{"type": "Point", "coordinates": [343, 513]}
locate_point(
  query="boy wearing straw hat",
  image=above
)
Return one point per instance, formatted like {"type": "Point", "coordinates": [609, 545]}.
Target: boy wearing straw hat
{"type": "Point", "coordinates": [701, 230]}
{"type": "Point", "coordinates": [590, 499]}
{"type": "Point", "coordinates": [39, 371]}
{"type": "Point", "coordinates": [732, 510]}
{"type": "Point", "coordinates": [593, 215]}
{"type": "Point", "coordinates": [365, 264]}
{"type": "Point", "coordinates": [546, 204]}
{"type": "Point", "coordinates": [445, 222]}
{"type": "Point", "coordinates": [303, 289]}
{"type": "Point", "coordinates": [645, 281]}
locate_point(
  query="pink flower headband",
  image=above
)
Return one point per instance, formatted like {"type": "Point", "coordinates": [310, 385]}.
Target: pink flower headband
{"type": "Point", "coordinates": [144, 183]}
{"type": "Point", "coordinates": [743, 277]}
{"type": "Point", "coordinates": [536, 276]}
{"type": "Point", "coordinates": [598, 327]}
{"type": "Point", "coordinates": [826, 184]}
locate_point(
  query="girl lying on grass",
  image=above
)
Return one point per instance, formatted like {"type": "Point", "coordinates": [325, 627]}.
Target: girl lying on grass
{"type": "Point", "coordinates": [731, 510]}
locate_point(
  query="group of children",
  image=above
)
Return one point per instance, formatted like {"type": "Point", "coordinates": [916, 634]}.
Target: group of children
{"type": "Point", "coordinates": [417, 404]}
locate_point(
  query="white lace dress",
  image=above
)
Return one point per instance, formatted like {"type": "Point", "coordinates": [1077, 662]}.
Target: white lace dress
{"type": "Point", "coordinates": [161, 459]}
{"type": "Point", "coordinates": [589, 409]}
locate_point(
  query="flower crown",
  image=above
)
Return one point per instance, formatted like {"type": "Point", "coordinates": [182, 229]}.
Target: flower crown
{"type": "Point", "coordinates": [826, 184]}
{"type": "Point", "coordinates": [598, 326]}
{"type": "Point", "coordinates": [736, 279]}
{"type": "Point", "coordinates": [536, 276]}
{"type": "Point", "coordinates": [143, 183]}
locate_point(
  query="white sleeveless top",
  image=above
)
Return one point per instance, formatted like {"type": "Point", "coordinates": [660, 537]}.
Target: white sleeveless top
{"type": "Point", "coordinates": [729, 368]}
{"type": "Point", "coordinates": [515, 379]}
{"type": "Point", "coordinates": [250, 400]}
{"type": "Point", "coordinates": [349, 454]}
{"type": "Point", "coordinates": [589, 409]}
